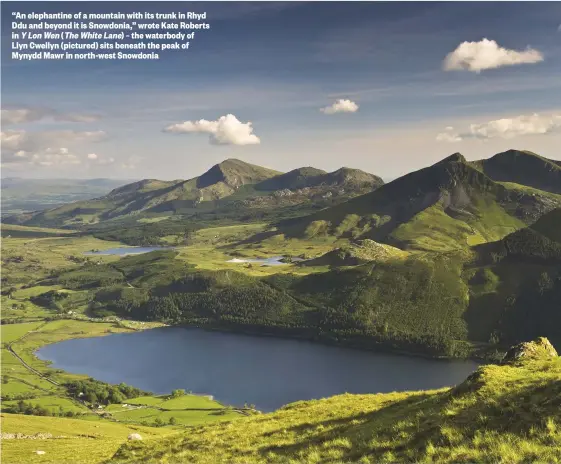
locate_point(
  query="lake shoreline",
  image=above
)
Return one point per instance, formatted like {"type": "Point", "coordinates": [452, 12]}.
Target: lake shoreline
{"type": "Point", "coordinates": [236, 354]}
{"type": "Point", "coordinates": [326, 341]}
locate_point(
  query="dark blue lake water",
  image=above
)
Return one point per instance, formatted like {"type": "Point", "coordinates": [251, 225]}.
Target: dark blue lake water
{"type": "Point", "coordinates": [238, 369]}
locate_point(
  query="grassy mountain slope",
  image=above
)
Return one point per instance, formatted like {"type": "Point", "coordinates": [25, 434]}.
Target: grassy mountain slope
{"type": "Point", "coordinates": [515, 285]}
{"type": "Point", "coordinates": [295, 179]}
{"type": "Point", "coordinates": [13, 231]}
{"type": "Point", "coordinates": [312, 177]}
{"type": "Point", "coordinates": [432, 303]}
{"type": "Point", "coordinates": [549, 225]}
{"type": "Point", "coordinates": [71, 441]}
{"type": "Point", "coordinates": [523, 167]}
{"type": "Point", "coordinates": [445, 206]}
{"type": "Point", "coordinates": [507, 413]}
{"type": "Point", "coordinates": [357, 253]}
{"type": "Point", "coordinates": [394, 302]}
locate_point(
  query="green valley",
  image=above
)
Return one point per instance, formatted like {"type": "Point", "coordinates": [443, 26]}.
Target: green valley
{"type": "Point", "coordinates": [457, 260]}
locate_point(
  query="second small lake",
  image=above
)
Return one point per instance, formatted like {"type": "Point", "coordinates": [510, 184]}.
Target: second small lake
{"type": "Point", "coordinates": [237, 369]}
{"type": "Point", "coordinates": [272, 261]}
{"type": "Point", "coordinates": [121, 251]}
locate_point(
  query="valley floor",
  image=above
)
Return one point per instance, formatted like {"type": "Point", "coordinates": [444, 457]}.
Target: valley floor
{"type": "Point", "coordinates": [400, 300]}
{"type": "Point", "coordinates": [95, 431]}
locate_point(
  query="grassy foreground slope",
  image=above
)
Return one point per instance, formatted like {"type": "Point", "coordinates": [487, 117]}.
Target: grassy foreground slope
{"type": "Point", "coordinates": [501, 413]}
{"type": "Point", "coordinates": [65, 440]}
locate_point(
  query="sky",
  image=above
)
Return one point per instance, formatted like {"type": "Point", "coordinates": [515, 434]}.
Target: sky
{"type": "Point", "coordinates": [384, 87]}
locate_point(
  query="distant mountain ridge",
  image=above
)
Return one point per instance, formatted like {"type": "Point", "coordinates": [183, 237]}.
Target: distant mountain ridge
{"type": "Point", "coordinates": [312, 177]}
{"type": "Point", "coordinates": [231, 178]}
{"type": "Point", "coordinates": [523, 167]}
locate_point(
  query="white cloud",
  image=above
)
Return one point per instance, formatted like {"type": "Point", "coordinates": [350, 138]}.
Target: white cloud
{"type": "Point", "coordinates": [487, 54]}
{"type": "Point", "coordinates": [44, 148]}
{"type": "Point", "coordinates": [52, 157]}
{"type": "Point", "coordinates": [341, 106]}
{"type": "Point", "coordinates": [448, 136]}
{"type": "Point", "coordinates": [226, 130]}
{"type": "Point", "coordinates": [506, 128]}
{"type": "Point", "coordinates": [21, 115]}
{"type": "Point", "coordinates": [12, 141]}
{"type": "Point", "coordinates": [93, 159]}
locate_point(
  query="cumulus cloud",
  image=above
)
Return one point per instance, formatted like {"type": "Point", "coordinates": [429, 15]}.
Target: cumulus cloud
{"type": "Point", "coordinates": [226, 130]}
{"type": "Point", "coordinates": [448, 136]}
{"type": "Point", "coordinates": [92, 156]}
{"type": "Point", "coordinates": [506, 128]}
{"type": "Point", "coordinates": [341, 106]}
{"type": "Point", "coordinates": [21, 115]}
{"type": "Point", "coordinates": [487, 54]}
{"type": "Point", "coordinates": [53, 156]}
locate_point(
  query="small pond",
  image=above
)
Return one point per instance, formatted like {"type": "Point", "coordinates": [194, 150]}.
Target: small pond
{"type": "Point", "coordinates": [272, 261]}
{"type": "Point", "coordinates": [121, 251]}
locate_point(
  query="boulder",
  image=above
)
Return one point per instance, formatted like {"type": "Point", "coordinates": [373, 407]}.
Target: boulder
{"type": "Point", "coordinates": [540, 348]}
{"type": "Point", "coordinates": [135, 436]}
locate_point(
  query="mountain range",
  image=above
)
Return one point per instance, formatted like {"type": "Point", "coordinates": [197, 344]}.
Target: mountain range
{"type": "Point", "coordinates": [231, 184]}
{"type": "Point", "coordinates": [453, 203]}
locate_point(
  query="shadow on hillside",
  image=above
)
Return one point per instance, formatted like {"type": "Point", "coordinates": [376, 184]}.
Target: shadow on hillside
{"type": "Point", "coordinates": [349, 428]}
{"type": "Point", "coordinates": [256, 238]}
{"type": "Point", "coordinates": [483, 315]}
{"type": "Point", "coordinates": [409, 425]}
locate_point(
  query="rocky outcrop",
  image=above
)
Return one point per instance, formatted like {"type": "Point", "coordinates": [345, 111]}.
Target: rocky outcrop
{"type": "Point", "coordinates": [540, 348]}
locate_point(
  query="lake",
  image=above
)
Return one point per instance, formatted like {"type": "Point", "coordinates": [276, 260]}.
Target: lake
{"type": "Point", "coordinates": [236, 369]}
{"type": "Point", "coordinates": [121, 251]}
{"type": "Point", "coordinates": [272, 261]}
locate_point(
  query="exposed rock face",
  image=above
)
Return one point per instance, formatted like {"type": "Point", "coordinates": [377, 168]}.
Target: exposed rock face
{"type": "Point", "coordinates": [540, 348]}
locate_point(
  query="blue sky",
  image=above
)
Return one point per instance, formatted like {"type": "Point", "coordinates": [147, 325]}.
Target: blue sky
{"type": "Point", "coordinates": [276, 65]}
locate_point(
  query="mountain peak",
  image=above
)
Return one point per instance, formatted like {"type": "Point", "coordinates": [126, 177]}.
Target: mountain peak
{"type": "Point", "coordinates": [454, 158]}
{"type": "Point", "coordinates": [232, 162]}
{"type": "Point", "coordinates": [524, 167]}
{"type": "Point", "coordinates": [350, 176]}
{"type": "Point", "coordinates": [234, 173]}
